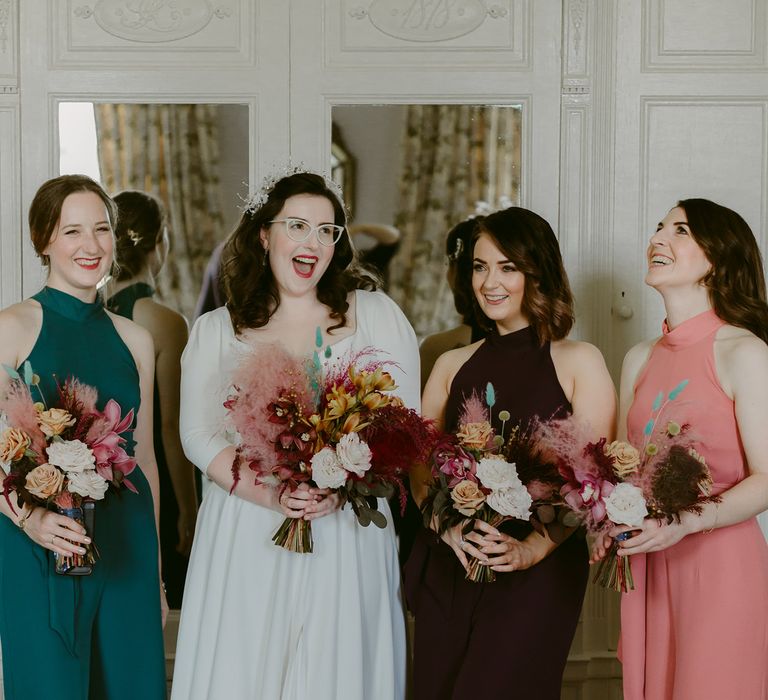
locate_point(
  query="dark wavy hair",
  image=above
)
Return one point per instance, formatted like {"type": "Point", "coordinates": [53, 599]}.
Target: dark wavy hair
{"type": "Point", "coordinates": [529, 242]}
{"type": "Point", "coordinates": [736, 282]}
{"type": "Point", "coordinates": [45, 209]}
{"type": "Point", "coordinates": [249, 286]}
{"type": "Point", "coordinates": [458, 252]}
{"type": "Point", "coordinates": [140, 225]}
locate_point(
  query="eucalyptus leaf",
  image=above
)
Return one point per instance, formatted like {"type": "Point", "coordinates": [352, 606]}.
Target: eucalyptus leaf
{"type": "Point", "coordinates": [12, 373]}
{"type": "Point", "coordinates": [378, 518]}
{"type": "Point", "coordinates": [570, 519]}
{"type": "Point", "coordinates": [545, 513]}
{"type": "Point", "coordinates": [28, 373]}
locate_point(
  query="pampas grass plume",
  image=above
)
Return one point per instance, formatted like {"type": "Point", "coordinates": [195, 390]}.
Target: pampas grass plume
{"type": "Point", "coordinates": [261, 377]}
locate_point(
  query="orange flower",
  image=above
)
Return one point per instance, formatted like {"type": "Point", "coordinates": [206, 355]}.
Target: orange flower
{"type": "Point", "coordinates": [467, 497]}
{"type": "Point", "coordinates": [53, 421]}
{"type": "Point", "coordinates": [626, 459]}
{"type": "Point", "coordinates": [44, 481]}
{"type": "Point", "coordinates": [13, 444]}
{"type": "Point", "coordinates": [475, 436]}
{"type": "Point", "coordinates": [339, 403]}
{"type": "Point", "coordinates": [351, 424]}
{"type": "Point", "coordinates": [375, 400]}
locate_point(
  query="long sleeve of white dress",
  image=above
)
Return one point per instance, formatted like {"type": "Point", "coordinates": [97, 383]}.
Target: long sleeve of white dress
{"type": "Point", "coordinates": [202, 414]}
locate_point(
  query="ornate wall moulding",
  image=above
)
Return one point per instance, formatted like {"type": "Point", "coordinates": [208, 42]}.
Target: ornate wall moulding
{"type": "Point", "coordinates": [152, 20]}
{"type": "Point", "coordinates": [704, 35]}
{"type": "Point", "coordinates": [428, 20]}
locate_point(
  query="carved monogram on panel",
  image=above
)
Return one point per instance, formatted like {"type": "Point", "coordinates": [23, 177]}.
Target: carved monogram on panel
{"type": "Point", "coordinates": [427, 20]}
{"type": "Point", "coordinates": [152, 20]}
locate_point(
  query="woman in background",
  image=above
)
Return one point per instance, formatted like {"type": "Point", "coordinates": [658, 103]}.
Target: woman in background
{"type": "Point", "coordinates": [696, 625]}
{"type": "Point", "coordinates": [509, 638]}
{"type": "Point", "coordinates": [96, 636]}
{"type": "Point", "coordinates": [458, 255]}
{"type": "Point", "coordinates": [142, 247]}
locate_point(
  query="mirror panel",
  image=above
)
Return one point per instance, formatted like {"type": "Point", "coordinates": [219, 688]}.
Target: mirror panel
{"type": "Point", "coordinates": [421, 169]}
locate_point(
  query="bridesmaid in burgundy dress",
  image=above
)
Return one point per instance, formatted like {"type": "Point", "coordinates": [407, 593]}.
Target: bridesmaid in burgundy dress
{"type": "Point", "coordinates": [696, 625]}
{"type": "Point", "coordinates": [509, 638]}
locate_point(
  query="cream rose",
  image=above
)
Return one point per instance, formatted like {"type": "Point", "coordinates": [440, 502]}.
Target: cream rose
{"type": "Point", "coordinates": [88, 484]}
{"type": "Point", "coordinates": [475, 436]}
{"type": "Point", "coordinates": [13, 444]}
{"type": "Point", "coordinates": [327, 471]}
{"type": "Point", "coordinates": [71, 455]}
{"type": "Point", "coordinates": [44, 481]}
{"type": "Point", "coordinates": [514, 501]}
{"type": "Point", "coordinates": [626, 505]}
{"type": "Point", "coordinates": [626, 459]}
{"type": "Point", "coordinates": [354, 454]}
{"type": "Point", "coordinates": [53, 421]}
{"type": "Point", "coordinates": [467, 497]}
{"type": "Point", "coordinates": [496, 473]}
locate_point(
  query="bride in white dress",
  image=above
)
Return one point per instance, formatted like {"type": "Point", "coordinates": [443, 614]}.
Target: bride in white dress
{"type": "Point", "coordinates": [259, 621]}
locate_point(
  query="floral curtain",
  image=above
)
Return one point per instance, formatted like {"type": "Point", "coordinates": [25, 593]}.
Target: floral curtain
{"type": "Point", "coordinates": [454, 157]}
{"type": "Point", "coordinates": [172, 151]}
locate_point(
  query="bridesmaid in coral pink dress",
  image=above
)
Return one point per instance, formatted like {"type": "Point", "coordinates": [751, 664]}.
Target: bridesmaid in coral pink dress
{"type": "Point", "coordinates": [696, 625]}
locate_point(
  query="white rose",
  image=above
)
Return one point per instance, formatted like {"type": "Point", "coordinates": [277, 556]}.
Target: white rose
{"type": "Point", "coordinates": [70, 455]}
{"type": "Point", "coordinates": [327, 471]}
{"type": "Point", "coordinates": [514, 501]}
{"type": "Point", "coordinates": [626, 505]}
{"type": "Point", "coordinates": [355, 455]}
{"type": "Point", "coordinates": [496, 473]}
{"type": "Point", "coordinates": [87, 483]}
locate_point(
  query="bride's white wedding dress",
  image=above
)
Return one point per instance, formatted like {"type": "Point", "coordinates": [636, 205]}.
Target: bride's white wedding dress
{"type": "Point", "coordinates": [258, 621]}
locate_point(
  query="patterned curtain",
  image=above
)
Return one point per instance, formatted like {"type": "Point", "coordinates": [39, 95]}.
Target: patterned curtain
{"type": "Point", "coordinates": [454, 156]}
{"type": "Point", "coordinates": [172, 151]}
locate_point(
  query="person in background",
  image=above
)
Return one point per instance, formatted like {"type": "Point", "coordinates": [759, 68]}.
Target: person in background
{"type": "Point", "coordinates": [458, 255]}
{"type": "Point", "coordinates": [142, 246]}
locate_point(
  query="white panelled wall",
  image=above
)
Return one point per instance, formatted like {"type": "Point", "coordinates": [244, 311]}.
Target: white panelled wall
{"type": "Point", "coordinates": [628, 106]}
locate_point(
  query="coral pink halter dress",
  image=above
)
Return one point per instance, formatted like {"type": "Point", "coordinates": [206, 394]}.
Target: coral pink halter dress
{"type": "Point", "coordinates": [696, 625]}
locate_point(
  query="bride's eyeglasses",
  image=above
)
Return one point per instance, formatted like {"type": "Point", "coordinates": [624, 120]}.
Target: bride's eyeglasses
{"type": "Point", "coordinates": [299, 231]}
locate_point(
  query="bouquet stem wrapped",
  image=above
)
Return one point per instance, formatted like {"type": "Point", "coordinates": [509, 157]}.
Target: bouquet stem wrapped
{"type": "Point", "coordinates": [614, 572]}
{"type": "Point", "coordinates": [295, 535]}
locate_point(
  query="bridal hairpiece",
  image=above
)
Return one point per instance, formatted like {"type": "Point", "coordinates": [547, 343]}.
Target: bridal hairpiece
{"type": "Point", "coordinates": [259, 198]}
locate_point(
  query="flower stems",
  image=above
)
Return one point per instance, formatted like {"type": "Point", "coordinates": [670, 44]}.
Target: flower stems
{"type": "Point", "coordinates": [295, 535]}
{"type": "Point", "coordinates": [614, 572]}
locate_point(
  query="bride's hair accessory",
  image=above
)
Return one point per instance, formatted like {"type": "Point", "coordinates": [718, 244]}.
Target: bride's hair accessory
{"type": "Point", "coordinates": [259, 197]}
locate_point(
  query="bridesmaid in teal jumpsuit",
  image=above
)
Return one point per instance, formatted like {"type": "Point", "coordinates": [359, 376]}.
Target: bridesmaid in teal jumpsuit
{"type": "Point", "coordinates": [97, 636]}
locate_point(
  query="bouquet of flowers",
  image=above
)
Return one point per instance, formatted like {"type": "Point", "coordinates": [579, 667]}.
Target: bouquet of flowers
{"type": "Point", "coordinates": [473, 479]}
{"type": "Point", "coordinates": [65, 456]}
{"type": "Point", "coordinates": [610, 484]}
{"type": "Point", "coordinates": [342, 430]}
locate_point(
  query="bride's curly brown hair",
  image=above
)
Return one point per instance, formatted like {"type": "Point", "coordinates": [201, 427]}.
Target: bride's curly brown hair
{"type": "Point", "coordinates": [528, 241]}
{"type": "Point", "coordinates": [249, 285]}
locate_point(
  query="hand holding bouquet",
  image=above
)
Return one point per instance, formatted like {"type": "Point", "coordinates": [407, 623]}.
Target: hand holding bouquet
{"type": "Point", "coordinates": [617, 484]}
{"type": "Point", "coordinates": [65, 456]}
{"type": "Point", "coordinates": [472, 480]}
{"type": "Point", "coordinates": [343, 431]}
